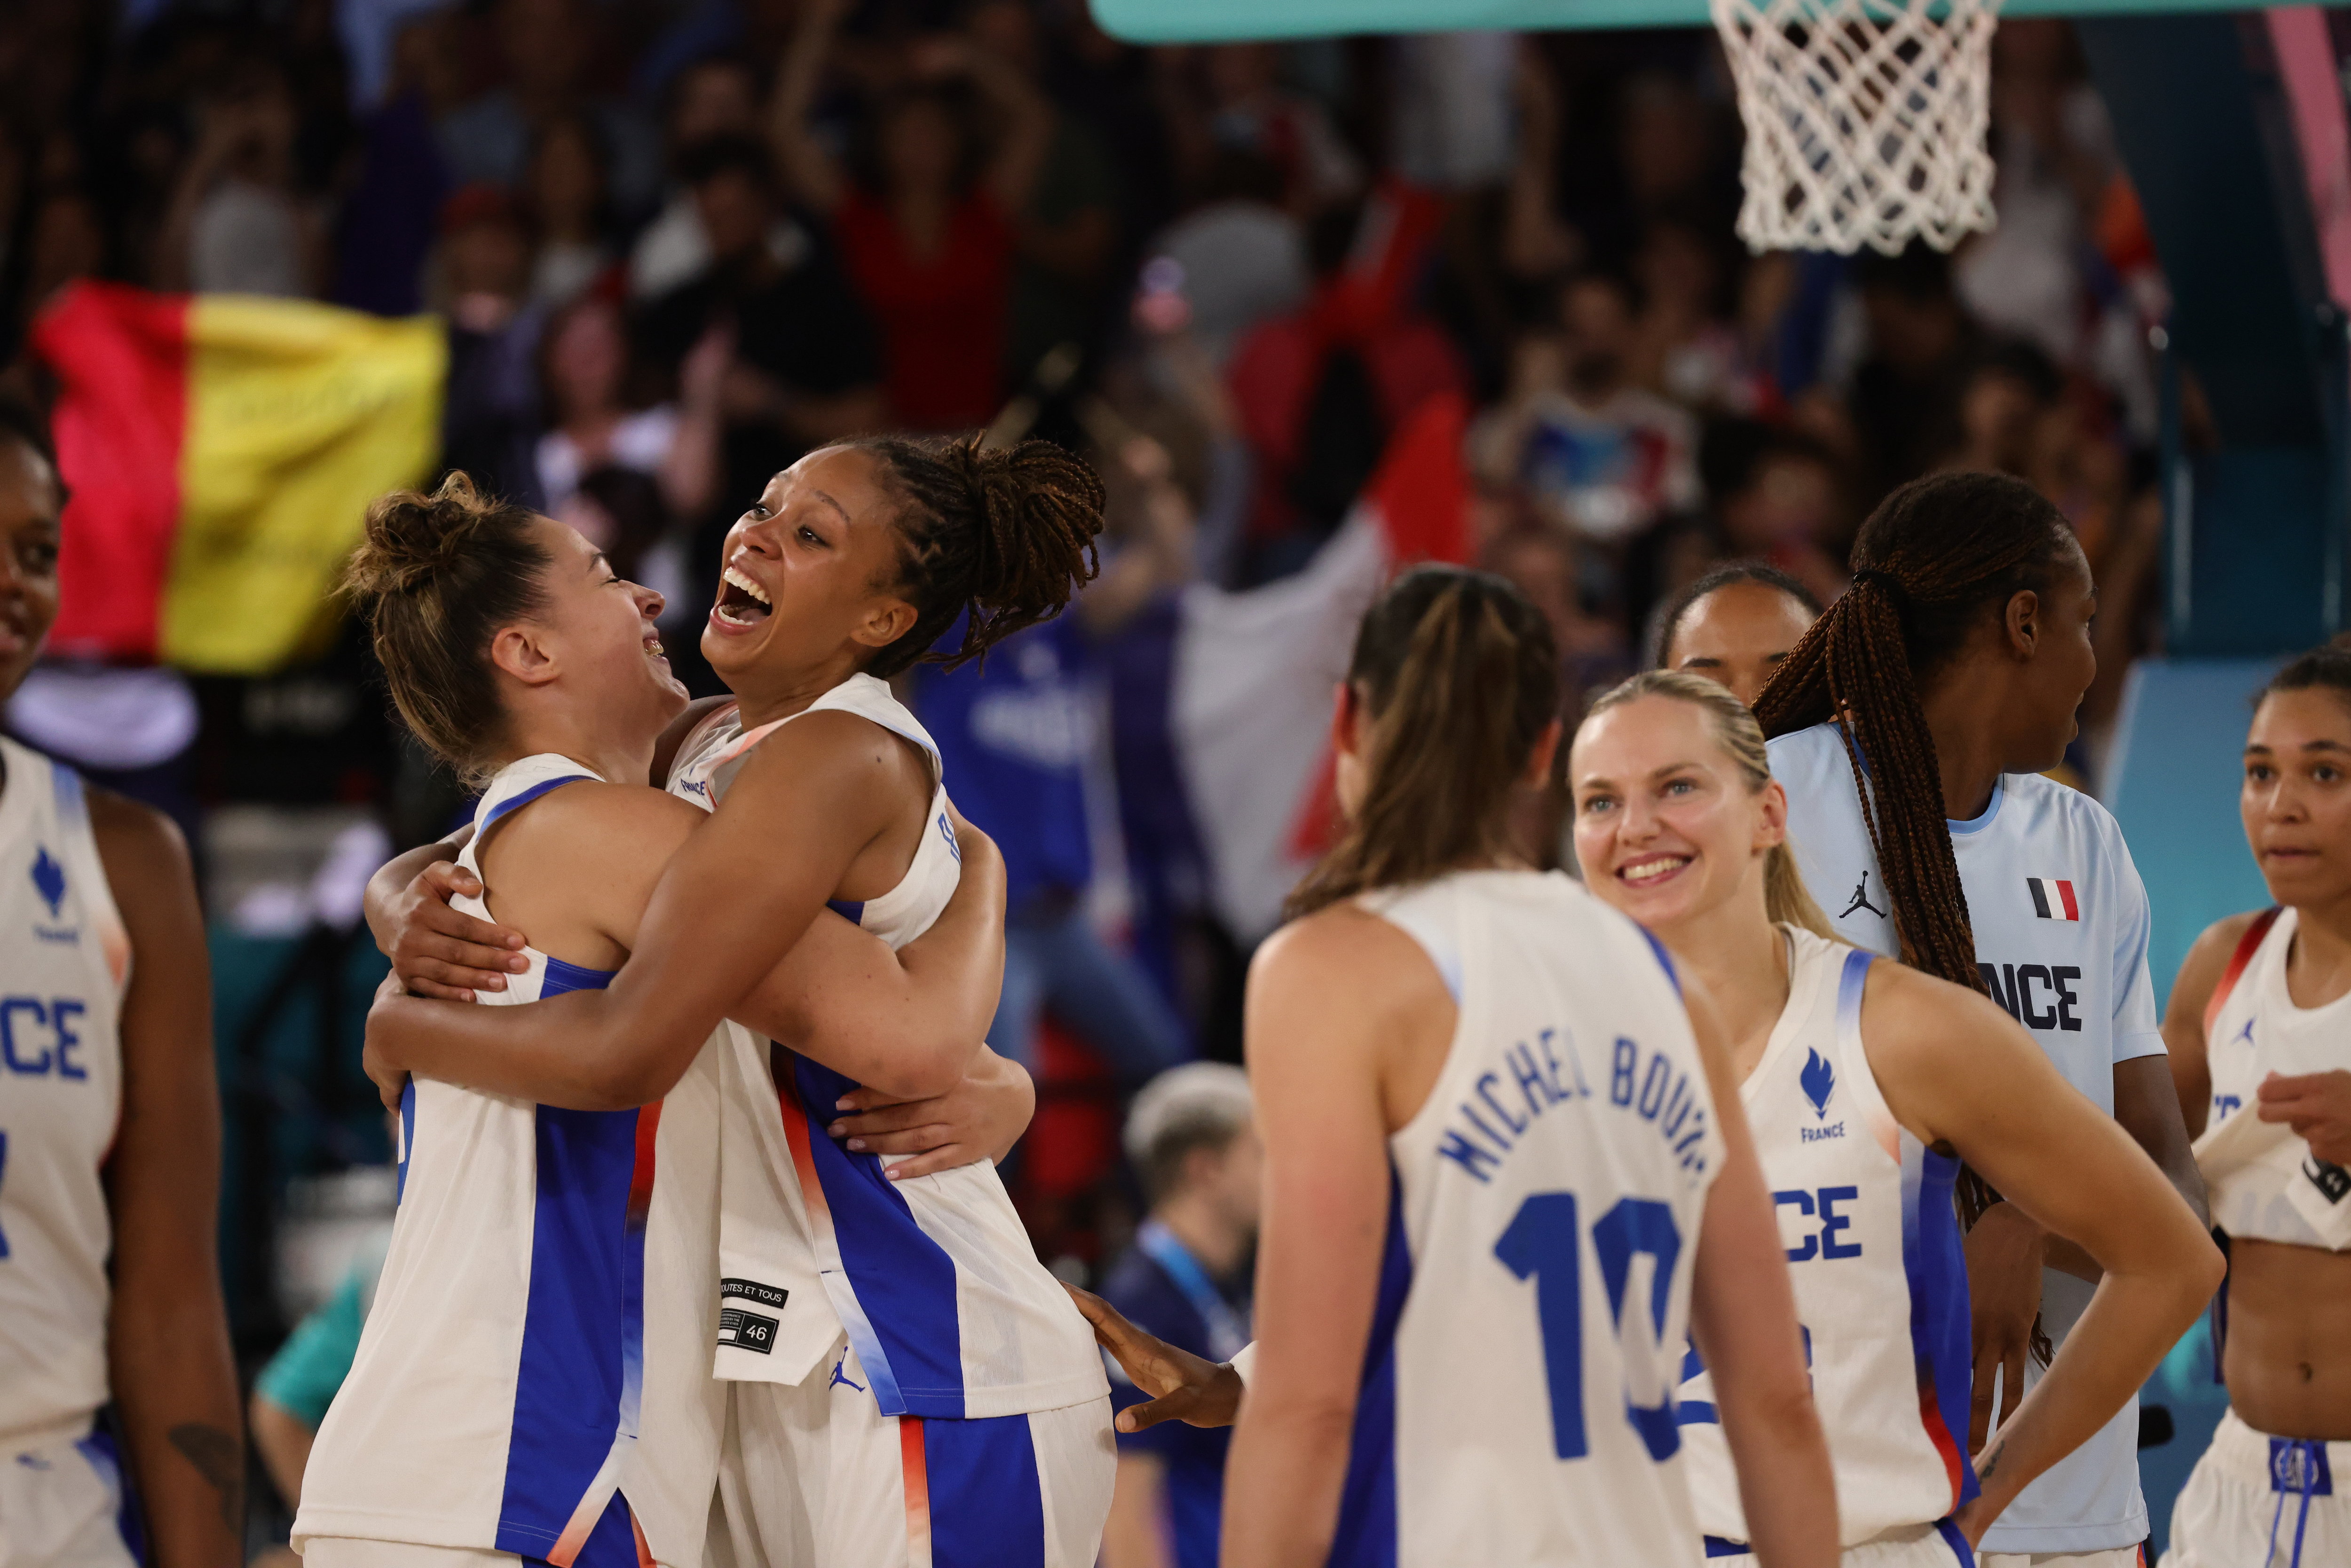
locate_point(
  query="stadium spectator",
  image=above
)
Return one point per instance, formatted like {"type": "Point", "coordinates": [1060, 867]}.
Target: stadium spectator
{"type": "Point", "coordinates": [928, 228]}
{"type": "Point", "coordinates": [546, 48]}
{"type": "Point", "coordinates": [490, 422]}
{"type": "Point", "coordinates": [1186, 1280]}
{"type": "Point", "coordinates": [235, 223]}
{"type": "Point", "coordinates": [1317, 390]}
{"type": "Point", "coordinates": [711, 98]}
{"type": "Point", "coordinates": [586, 373]}
{"type": "Point", "coordinates": [1069, 230]}
{"type": "Point", "coordinates": [1606, 458]}
{"type": "Point", "coordinates": [567, 200]}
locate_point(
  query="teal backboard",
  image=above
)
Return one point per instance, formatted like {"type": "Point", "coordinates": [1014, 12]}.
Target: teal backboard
{"type": "Point", "coordinates": [1207, 21]}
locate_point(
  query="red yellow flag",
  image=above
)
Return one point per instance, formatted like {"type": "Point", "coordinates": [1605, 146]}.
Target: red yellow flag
{"type": "Point", "coordinates": [221, 451]}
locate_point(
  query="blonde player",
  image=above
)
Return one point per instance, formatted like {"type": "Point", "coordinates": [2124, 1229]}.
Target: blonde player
{"type": "Point", "coordinates": [2260, 1031]}
{"type": "Point", "coordinates": [109, 1139]}
{"type": "Point", "coordinates": [1866, 1084]}
{"type": "Point", "coordinates": [1495, 1168]}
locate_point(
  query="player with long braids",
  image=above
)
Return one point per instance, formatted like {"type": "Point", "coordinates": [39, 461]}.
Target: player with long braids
{"type": "Point", "coordinates": [1910, 727]}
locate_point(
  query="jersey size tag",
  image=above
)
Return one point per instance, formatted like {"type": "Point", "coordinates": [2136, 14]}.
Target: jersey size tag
{"type": "Point", "coordinates": [746, 1330]}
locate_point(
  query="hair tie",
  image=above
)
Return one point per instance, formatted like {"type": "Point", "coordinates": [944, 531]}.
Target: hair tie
{"type": "Point", "coordinates": [1884, 580]}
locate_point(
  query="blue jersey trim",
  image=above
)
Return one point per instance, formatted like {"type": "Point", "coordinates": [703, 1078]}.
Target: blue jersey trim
{"type": "Point", "coordinates": [849, 909]}
{"type": "Point", "coordinates": [899, 1303]}
{"type": "Point", "coordinates": [1935, 1267]}
{"type": "Point", "coordinates": [1978, 823]}
{"type": "Point", "coordinates": [1366, 1535]}
{"type": "Point", "coordinates": [73, 805]}
{"type": "Point", "coordinates": [988, 1502]}
{"type": "Point", "coordinates": [407, 1139]}
{"type": "Point", "coordinates": [517, 801]}
{"type": "Point", "coordinates": [561, 977]}
{"type": "Point", "coordinates": [1665, 959]}
{"type": "Point", "coordinates": [576, 1384]}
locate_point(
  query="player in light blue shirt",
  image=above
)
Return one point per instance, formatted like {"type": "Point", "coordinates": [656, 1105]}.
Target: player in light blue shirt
{"type": "Point", "coordinates": [1957, 663]}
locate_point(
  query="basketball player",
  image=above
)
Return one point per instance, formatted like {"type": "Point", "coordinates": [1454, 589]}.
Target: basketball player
{"type": "Point", "coordinates": [1956, 660]}
{"type": "Point", "coordinates": [1494, 1168]}
{"type": "Point", "coordinates": [966, 1409]}
{"type": "Point", "coordinates": [1865, 1085]}
{"type": "Point", "coordinates": [109, 1140]}
{"type": "Point", "coordinates": [1735, 625]}
{"type": "Point", "coordinates": [2260, 1030]}
{"type": "Point", "coordinates": [511, 649]}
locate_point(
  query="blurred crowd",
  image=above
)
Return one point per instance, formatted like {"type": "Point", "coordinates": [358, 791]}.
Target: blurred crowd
{"type": "Point", "coordinates": [680, 243]}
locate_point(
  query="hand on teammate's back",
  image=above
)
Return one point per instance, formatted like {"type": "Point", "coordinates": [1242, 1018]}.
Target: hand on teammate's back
{"type": "Point", "coordinates": [2004, 1292]}
{"type": "Point", "coordinates": [441, 952]}
{"type": "Point", "coordinates": [1183, 1387]}
{"type": "Point", "coordinates": [2317, 1106]}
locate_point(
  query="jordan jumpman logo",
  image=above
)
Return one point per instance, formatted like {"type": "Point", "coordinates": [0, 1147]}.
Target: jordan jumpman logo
{"type": "Point", "coordinates": [1861, 898]}
{"type": "Point", "coordinates": [841, 1381]}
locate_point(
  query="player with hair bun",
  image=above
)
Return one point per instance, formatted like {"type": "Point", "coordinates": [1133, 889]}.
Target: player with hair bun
{"type": "Point", "coordinates": [965, 1401]}
{"type": "Point", "coordinates": [1910, 727]}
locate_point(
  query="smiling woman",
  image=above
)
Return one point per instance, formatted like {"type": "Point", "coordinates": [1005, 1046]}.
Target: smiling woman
{"type": "Point", "coordinates": [946, 1335]}
{"type": "Point", "coordinates": [1866, 1084]}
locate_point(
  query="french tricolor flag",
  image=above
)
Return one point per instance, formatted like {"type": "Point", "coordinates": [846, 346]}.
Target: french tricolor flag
{"type": "Point", "coordinates": [2053, 898]}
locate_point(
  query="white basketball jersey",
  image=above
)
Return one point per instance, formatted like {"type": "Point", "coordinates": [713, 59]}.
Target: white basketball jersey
{"type": "Point", "coordinates": [494, 1400]}
{"type": "Point", "coordinates": [2061, 926]}
{"type": "Point", "coordinates": [1519, 1389]}
{"type": "Point", "coordinates": [65, 961]}
{"type": "Point", "coordinates": [1874, 1252]}
{"type": "Point", "coordinates": [2266, 1183]}
{"type": "Point", "coordinates": [933, 1279]}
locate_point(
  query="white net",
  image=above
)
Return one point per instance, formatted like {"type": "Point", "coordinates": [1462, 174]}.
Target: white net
{"type": "Point", "coordinates": [1865, 121]}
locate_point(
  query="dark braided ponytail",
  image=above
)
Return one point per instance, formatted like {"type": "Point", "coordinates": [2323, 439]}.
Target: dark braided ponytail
{"type": "Point", "coordinates": [1459, 678]}
{"type": "Point", "coordinates": [1936, 557]}
{"type": "Point", "coordinates": [1007, 534]}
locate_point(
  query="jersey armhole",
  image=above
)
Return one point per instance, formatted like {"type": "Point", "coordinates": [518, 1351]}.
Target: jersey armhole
{"type": "Point", "coordinates": [2246, 945]}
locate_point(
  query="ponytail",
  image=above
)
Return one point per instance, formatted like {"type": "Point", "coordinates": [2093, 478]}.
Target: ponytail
{"type": "Point", "coordinates": [1006, 536]}
{"type": "Point", "coordinates": [1786, 899]}
{"type": "Point", "coordinates": [1458, 677]}
{"type": "Point", "coordinates": [1936, 557]}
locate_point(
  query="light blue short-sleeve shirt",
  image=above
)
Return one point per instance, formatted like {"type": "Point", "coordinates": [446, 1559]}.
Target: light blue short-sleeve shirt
{"type": "Point", "coordinates": [2060, 926]}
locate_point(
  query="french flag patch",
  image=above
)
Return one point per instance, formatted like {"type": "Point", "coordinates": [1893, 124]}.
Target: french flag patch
{"type": "Point", "coordinates": [2053, 898]}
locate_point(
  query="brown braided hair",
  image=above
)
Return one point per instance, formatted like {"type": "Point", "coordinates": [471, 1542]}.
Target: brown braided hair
{"type": "Point", "coordinates": [1458, 677]}
{"type": "Point", "coordinates": [1007, 534]}
{"type": "Point", "coordinates": [437, 575]}
{"type": "Point", "coordinates": [1936, 558]}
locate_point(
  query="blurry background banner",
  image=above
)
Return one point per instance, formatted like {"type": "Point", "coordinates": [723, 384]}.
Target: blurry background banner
{"type": "Point", "coordinates": [1255, 670]}
{"type": "Point", "coordinates": [221, 451]}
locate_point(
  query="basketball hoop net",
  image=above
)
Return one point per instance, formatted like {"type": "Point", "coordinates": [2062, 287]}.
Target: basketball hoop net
{"type": "Point", "coordinates": [1865, 121]}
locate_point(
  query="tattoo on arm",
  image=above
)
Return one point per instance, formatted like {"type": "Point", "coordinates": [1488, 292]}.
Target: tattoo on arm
{"type": "Point", "coordinates": [1990, 1463]}
{"type": "Point", "coordinates": [219, 1459]}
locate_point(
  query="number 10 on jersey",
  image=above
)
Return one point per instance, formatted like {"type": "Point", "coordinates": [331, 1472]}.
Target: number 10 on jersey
{"type": "Point", "coordinates": [1544, 1242]}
